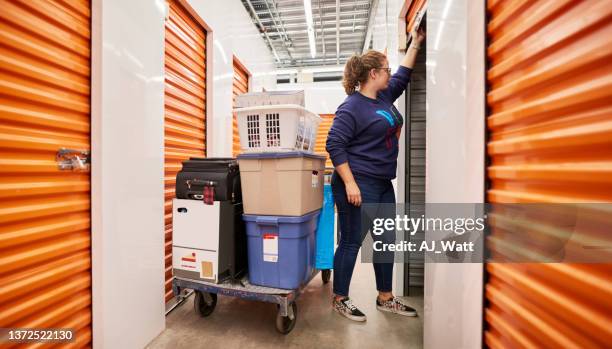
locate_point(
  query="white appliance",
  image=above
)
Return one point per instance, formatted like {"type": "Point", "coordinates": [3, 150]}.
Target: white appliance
{"type": "Point", "coordinates": [208, 241]}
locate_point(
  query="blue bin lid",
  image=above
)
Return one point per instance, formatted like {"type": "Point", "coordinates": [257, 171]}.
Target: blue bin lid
{"type": "Point", "coordinates": [279, 219]}
{"type": "Point", "coordinates": [281, 155]}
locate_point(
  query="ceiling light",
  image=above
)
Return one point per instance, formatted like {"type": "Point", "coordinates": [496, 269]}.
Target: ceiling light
{"type": "Point", "coordinates": [310, 29]}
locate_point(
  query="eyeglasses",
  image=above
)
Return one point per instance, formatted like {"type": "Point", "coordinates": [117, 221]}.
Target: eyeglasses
{"type": "Point", "coordinates": [385, 68]}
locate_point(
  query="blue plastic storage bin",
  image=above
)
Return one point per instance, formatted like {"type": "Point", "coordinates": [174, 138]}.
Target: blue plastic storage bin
{"type": "Point", "coordinates": [281, 249]}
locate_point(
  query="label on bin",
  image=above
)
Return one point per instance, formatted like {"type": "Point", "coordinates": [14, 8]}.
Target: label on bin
{"type": "Point", "coordinates": [270, 247]}
{"type": "Point", "coordinates": [315, 179]}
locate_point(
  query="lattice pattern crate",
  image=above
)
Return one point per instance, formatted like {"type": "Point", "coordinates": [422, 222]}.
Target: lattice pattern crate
{"type": "Point", "coordinates": [274, 128]}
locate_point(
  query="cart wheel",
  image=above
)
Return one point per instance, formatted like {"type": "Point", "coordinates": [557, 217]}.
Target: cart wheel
{"type": "Point", "coordinates": [204, 303]}
{"type": "Point", "coordinates": [284, 324]}
{"type": "Point", "coordinates": [326, 275]}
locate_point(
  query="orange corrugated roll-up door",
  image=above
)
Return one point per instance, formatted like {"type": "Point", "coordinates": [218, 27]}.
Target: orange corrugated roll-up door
{"type": "Point", "coordinates": [240, 86]}
{"type": "Point", "coordinates": [185, 108]}
{"type": "Point", "coordinates": [45, 236]}
{"type": "Point", "coordinates": [414, 7]}
{"type": "Point", "coordinates": [550, 141]}
{"type": "Point", "coordinates": [322, 131]}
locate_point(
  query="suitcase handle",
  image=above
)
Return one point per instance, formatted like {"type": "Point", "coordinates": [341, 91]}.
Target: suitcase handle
{"type": "Point", "coordinates": [196, 181]}
{"type": "Point", "coordinates": [215, 160]}
{"type": "Point", "coordinates": [267, 220]}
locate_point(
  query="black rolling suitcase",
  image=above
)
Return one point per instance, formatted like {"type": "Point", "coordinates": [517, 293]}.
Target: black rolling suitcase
{"type": "Point", "coordinates": [209, 179]}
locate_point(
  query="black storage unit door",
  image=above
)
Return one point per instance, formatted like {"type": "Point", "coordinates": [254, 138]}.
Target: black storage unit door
{"type": "Point", "coordinates": [414, 270]}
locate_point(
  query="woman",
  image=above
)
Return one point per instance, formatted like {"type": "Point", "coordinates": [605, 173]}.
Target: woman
{"type": "Point", "coordinates": [363, 146]}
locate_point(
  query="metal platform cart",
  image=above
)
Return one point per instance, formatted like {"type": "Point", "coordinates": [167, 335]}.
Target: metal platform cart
{"type": "Point", "coordinates": [205, 294]}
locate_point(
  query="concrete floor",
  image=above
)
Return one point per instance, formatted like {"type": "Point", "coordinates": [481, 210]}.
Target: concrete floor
{"type": "Point", "coordinates": [243, 324]}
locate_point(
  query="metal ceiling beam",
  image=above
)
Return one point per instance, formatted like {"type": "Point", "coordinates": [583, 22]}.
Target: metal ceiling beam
{"type": "Point", "coordinates": [354, 46]}
{"type": "Point", "coordinates": [282, 24]}
{"type": "Point", "coordinates": [294, 3]}
{"type": "Point", "coordinates": [358, 4]}
{"type": "Point", "coordinates": [371, 20]}
{"type": "Point", "coordinates": [301, 38]}
{"type": "Point", "coordinates": [337, 31]}
{"type": "Point", "coordinates": [300, 60]}
{"type": "Point", "coordinates": [354, 9]}
{"type": "Point", "coordinates": [322, 31]}
{"type": "Point", "coordinates": [326, 16]}
{"type": "Point", "coordinates": [274, 19]}
{"type": "Point", "coordinates": [303, 51]}
{"type": "Point", "coordinates": [345, 40]}
{"type": "Point", "coordinates": [276, 26]}
{"type": "Point", "coordinates": [263, 29]}
{"type": "Point", "coordinates": [348, 50]}
{"type": "Point", "coordinates": [299, 35]}
{"type": "Point", "coordinates": [343, 31]}
{"type": "Point", "coordinates": [285, 5]}
{"type": "Point", "coordinates": [343, 23]}
{"type": "Point", "coordinates": [317, 61]}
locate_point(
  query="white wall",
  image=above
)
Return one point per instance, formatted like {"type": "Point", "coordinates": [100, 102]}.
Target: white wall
{"type": "Point", "coordinates": [455, 145]}
{"type": "Point", "coordinates": [320, 97]}
{"type": "Point", "coordinates": [128, 151]}
{"type": "Point", "coordinates": [127, 172]}
{"type": "Point", "coordinates": [233, 32]}
{"type": "Point", "coordinates": [384, 34]}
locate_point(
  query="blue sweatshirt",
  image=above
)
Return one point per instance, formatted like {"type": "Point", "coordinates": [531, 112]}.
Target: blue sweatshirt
{"type": "Point", "coordinates": [364, 130]}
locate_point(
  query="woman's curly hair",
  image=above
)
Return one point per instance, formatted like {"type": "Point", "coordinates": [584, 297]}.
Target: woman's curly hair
{"type": "Point", "coordinates": [358, 67]}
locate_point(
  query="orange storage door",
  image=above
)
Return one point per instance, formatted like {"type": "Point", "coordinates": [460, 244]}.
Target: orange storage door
{"type": "Point", "coordinates": [240, 86]}
{"type": "Point", "coordinates": [322, 132]}
{"type": "Point", "coordinates": [414, 7]}
{"type": "Point", "coordinates": [45, 236]}
{"type": "Point", "coordinates": [550, 141]}
{"type": "Point", "coordinates": [185, 101]}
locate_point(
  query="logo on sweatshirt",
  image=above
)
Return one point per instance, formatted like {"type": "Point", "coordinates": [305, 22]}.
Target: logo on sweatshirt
{"type": "Point", "coordinates": [387, 116]}
{"type": "Point", "coordinates": [391, 131]}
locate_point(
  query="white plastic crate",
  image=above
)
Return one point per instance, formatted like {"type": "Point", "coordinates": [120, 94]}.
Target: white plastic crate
{"type": "Point", "coordinates": [276, 128]}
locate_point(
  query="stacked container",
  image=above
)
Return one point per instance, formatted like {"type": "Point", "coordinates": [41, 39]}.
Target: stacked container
{"type": "Point", "coordinates": [282, 186]}
{"type": "Point", "coordinates": [209, 242]}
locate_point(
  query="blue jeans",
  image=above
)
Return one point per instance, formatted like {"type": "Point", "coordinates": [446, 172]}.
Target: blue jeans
{"type": "Point", "coordinates": [349, 219]}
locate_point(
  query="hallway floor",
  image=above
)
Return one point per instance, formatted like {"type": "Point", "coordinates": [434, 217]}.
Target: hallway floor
{"type": "Point", "coordinates": [243, 324]}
